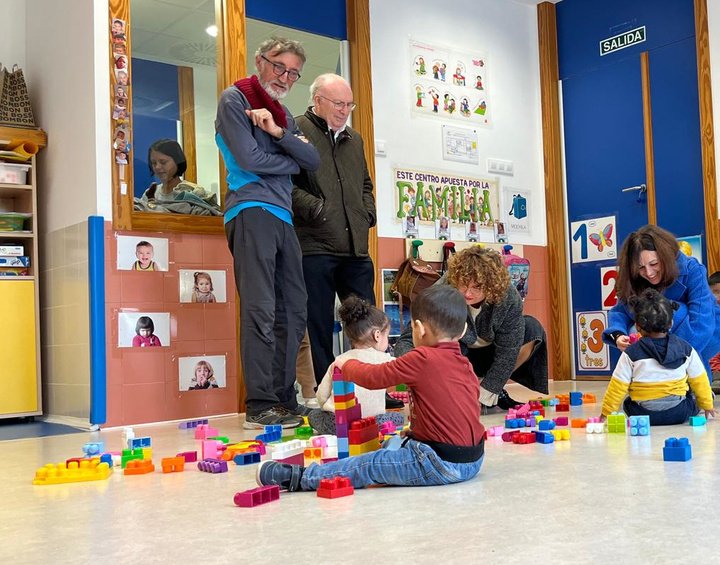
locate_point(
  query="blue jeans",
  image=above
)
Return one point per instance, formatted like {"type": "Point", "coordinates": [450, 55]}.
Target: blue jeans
{"type": "Point", "coordinates": [676, 415]}
{"type": "Point", "coordinates": [413, 464]}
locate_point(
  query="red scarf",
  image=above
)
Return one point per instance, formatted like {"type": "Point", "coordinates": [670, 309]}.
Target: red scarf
{"type": "Point", "coordinates": [259, 98]}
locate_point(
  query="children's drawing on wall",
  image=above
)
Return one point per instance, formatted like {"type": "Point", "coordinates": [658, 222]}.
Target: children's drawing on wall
{"type": "Point", "coordinates": [137, 253]}
{"type": "Point", "coordinates": [202, 373]}
{"type": "Point", "coordinates": [203, 287]}
{"type": "Point", "coordinates": [410, 227]}
{"type": "Point", "coordinates": [429, 196]}
{"type": "Point", "coordinates": [691, 246]}
{"type": "Point", "coordinates": [517, 210]}
{"type": "Point", "coordinates": [464, 76]}
{"type": "Point", "coordinates": [442, 228]}
{"type": "Point", "coordinates": [143, 329]}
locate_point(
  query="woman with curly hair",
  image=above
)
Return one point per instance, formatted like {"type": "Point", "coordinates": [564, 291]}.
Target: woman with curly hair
{"type": "Point", "coordinates": [500, 342]}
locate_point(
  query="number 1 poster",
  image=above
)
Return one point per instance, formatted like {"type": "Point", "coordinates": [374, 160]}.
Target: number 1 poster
{"type": "Point", "coordinates": [593, 354]}
{"type": "Point", "coordinates": [593, 240]}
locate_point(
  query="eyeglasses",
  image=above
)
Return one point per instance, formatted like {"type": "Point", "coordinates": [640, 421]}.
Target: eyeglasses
{"type": "Point", "coordinates": [339, 105]}
{"type": "Point", "coordinates": [279, 70]}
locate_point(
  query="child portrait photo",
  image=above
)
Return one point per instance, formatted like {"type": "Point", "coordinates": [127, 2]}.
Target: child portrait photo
{"type": "Point", "coordinates": [143, 329]}
{"type": "Point", "coordinates": [201, 373]}
{"type": "Point", "coordinates": [202, 287]}
{"type": "Point", "coordinates": [135, 253]}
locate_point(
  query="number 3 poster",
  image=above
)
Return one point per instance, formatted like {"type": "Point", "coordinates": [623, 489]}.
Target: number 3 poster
{"type": "Point", "coordinates": [592, 352]}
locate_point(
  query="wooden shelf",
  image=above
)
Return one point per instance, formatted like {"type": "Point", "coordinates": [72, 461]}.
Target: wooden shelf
{"type": "Point", "coordinates": [5, 187]}
{"type": "Point", "coordinates": [17, 278]}
{"type": "Point", "coordinates": [10, 135]}
{"type": "Point", "coordinates": [17, 234]}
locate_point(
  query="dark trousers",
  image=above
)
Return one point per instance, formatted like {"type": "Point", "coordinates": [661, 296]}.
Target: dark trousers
{"type": "Point", "coordinates": [326, 275]}
{"type": "Point", "coordinates": [676, 415]}
{"type": "Point", "coordinates": [268, 274]}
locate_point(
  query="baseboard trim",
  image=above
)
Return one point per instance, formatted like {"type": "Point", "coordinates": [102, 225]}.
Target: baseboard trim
{"type": "Point", "coordinates": [168, 421]}
{"type": "Point", "coordinates": [72, 421]}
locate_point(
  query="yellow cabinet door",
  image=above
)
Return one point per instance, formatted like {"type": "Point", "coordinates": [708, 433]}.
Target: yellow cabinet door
{"type": "Point", "coordinates": [18, 348]}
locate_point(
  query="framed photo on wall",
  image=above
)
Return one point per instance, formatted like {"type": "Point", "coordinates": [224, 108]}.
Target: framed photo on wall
{"type": "Point", "coordinates": [143, 329]}
{"type": "Point", "coordinates": [203, 287]}
{"type": "Point", "coordinates": [139, 253]}
{"type": "Point", "coordinates": [201, 373]}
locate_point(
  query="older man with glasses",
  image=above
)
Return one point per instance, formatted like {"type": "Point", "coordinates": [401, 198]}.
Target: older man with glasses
{"type": "Point", "coordinates": [262, 146]}
{"type": "Point", "coordinates": [334, 210]}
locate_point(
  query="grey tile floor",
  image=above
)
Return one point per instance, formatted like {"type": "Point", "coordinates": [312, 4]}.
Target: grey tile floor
{"type": "Point", "coordinates": [594, 499]}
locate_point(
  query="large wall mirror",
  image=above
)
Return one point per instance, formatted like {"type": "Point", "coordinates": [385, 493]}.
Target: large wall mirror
{"type": "Point", "coordinates": [178, 66]}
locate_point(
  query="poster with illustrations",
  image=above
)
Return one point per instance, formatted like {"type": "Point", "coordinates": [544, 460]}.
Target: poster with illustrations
{"type": "Point", "coordinates": [428, 196]}
{"type": "Point", "coordinates": [608, 276]}
{"type": "Point", "coordinates": [517, 210]}
{"type": "Point", "coordinates": [691, 246]}
{"type": "Point", "coordinates": [593, 240]}
{"type": "Point", "coordinates": [449, 84]}
{"type": "Point", "coordinates": [593, 354]}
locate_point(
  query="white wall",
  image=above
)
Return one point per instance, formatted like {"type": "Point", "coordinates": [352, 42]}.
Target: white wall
{"type": "Point", "coordinates": [506, 33]}
{"type": "Point", "coordinates": [714, 39]}
{"type": "Point", "coordinates": [66, 67]}
{"type": "Point", "coordinates": [12, 33]}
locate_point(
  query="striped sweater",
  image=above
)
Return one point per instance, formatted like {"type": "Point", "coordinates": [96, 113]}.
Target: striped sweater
{"type": "Point", "coordinates": [654, 368]}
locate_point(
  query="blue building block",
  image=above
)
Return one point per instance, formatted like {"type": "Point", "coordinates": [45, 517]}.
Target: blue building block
{"type": "Point", "coordinates": [273, 428]}
{"type": "Point", "coordinates": [94, 448]}
{"type": "Point", "coordinates": [544, 437]}
{"type": "Point", "coordinates": [247, 458]}
{"type": "Point", "coordinates": [546, 425]}
{"type": "Point", "coordinates": [576, 399]}
{"type": "Point", "coordinates": [698, 420]}
{"type": "Point", "coordinates": [269, 438]}
{"type": "Point", "coordinates": [639, 426]}
{"type": "Point", "coordinates": [341, 388]}
{"type": "Point", "coordinates": [139, 442]}
{"type": "Point", "coordinates": [513, 423]}
{"type": "Point", "coordinates": [107, 458]}
{"type": "Point", "coordinates": [677, 449]}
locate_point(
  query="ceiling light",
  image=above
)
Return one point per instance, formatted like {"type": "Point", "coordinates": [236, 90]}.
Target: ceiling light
{"type": "Point", "coordinates": [212, 30]}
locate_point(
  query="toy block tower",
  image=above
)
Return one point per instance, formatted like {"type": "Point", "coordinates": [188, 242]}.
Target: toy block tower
{"type": "Point", "coordinates": [347, 413]}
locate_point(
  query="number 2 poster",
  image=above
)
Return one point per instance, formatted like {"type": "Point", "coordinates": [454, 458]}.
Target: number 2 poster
{"type": "Point", "coordinates": [593, 354]}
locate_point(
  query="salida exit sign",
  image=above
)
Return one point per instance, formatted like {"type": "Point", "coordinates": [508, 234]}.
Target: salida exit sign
{"type": "Point", "coordinates": [622, 40]}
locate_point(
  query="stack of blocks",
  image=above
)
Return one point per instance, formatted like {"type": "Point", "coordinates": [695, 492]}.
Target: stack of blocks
{"type": "Point", "coordinates": [363, 436]}
{"type": "Point", "coordinates": [595, 426]}
{"type": "Point", "coordinates": [347, 411]}
{"type": "Point", "coordinates": [291, 452]}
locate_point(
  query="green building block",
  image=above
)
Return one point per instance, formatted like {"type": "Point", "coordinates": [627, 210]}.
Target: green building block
{"type": "Point", "coordinates": [223, 439]}
{"type": "Point", "coordinates": [616, 423]}
{"type": "Point", "coordinates": [130, 455]}
{"type": "Point", "coordinates": [400, 388]}
{"type": "Point", "coordinates": [303, 432]}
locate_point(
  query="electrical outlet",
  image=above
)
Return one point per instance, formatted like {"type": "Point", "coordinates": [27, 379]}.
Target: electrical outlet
{"type": "Point", "coordinates": [500, 167]}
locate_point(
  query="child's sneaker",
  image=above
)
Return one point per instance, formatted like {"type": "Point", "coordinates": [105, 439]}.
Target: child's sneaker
{"type": "Point", "coordinates": [275, 416]}
{"type": "Point", "coordinates": [281, 474]}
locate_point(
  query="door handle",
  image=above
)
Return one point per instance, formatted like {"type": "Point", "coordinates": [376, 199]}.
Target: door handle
{"type": "Point", "coordinates": [640, 187]}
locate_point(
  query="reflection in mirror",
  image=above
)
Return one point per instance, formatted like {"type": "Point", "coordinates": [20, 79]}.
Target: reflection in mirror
{"type": "Point", "coordinates": [174, 98]}
{"type": "Point", "coordinates": [323, 56]}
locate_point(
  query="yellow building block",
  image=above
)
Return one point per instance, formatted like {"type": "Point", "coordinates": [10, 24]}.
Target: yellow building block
{"type": "Point", "coordinates": [367, 447]}
{"type": "Point", "coordinates": [147, 452]}
{"type": "Point", "coordinates": [345, 405]}
{"type": "Point", "coordinates": [561, 435]}
{"type": "Point", "coordinates": [61, 473]}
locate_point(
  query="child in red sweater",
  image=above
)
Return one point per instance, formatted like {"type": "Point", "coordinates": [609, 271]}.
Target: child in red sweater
{"type": "Point", "coordinates": [446, 440]}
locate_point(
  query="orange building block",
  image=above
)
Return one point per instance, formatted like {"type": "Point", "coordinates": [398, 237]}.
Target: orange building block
{"type": "Point", "coordinates": [578, 423]}
{"type": "Point", "coordinates": [173, 464]}
{"type": "Point", "coordinates": [589, 398]}
{"type": "Point", "coordinates": [139, 467]}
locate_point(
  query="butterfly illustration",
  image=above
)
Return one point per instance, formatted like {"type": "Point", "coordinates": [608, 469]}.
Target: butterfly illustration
{"type": "Point", "coordinates": [602, 239]}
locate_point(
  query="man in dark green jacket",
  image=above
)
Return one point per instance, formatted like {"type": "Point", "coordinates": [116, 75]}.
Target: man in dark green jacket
{"type": "Point", "coordinates": [334, 209]}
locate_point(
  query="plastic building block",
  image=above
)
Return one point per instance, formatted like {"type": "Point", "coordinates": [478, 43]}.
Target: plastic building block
{"type": "Point", "coordinates": [544, 437]}
{"type": "Point", "coordinates": [247, 458]}
{"type": "Point", "coordinates": [303, 432]}
{"type": "Point", "coordinates": [130, 455]}
{"type": "Point", "coordinates": [189, 456]}
{"type": "Point", "coordinates": [212, 449]}
{"type": "Point", "coordinates": [107, 458]}
{"type": "Point", "coordinates": [367, 447]}
{"type": "Point", "coordinates": [273, 428]}
{"type": "Point", "coordinates": [93, 448]}
{"type": "Point", "coordinates": [146, 452]}
{"type": "Point", "coordinates": [400, 388]}
{"type": "Point", "coordinates": [508, 436]}
{"type": "Point", "coordinates": [211, 465]}
{"type": "Point", "coordinates": [257, 496]}
{"type": "Point", "coordinates": [139, 442]}
{"type": "Point", "coordinates": [561, 407]}
{"type": "Point", "coordinates": [403, 396]}
{"type": "Point", "coordinates": [515, 423]}
{"type": "Point", "coordinates": [319, 441]}
{"type": "Point", "coordinates": [698, 420]}
{"type": "Point", "coordinates": [524, 437]}
{"type": "Point", "coordinates": [677, 449]}
{"type": "Point", "coordinates": [362, 431]}
{"type": "Point", "coordinates": [269, 438]}
{"type": "Point", "coordinates": [173, 464]}
{"type": "Point", "coordinates": [139, 467]}
{"type": "Point", "coordinates": [190, 424]}
{"type": "Point", "coordinates": [312, 455]}
{"type": "Point", "coordinates": [387, 428]}
{"type": "Point", "coordinates": [335, 487]}
{"type": "Point", "coordinates": [588, 398]}
{"type": "Point", "coordinates": [616, 423]}
{"type": "Point", "coordinates": [205, 431]}
{"type": "Point", "coordinates": [639, 425]}
{"type": "Point", "coordinates": [546, 425]}
{"type": "Point", "coordinates": [595, 428]}
{"type": "Point", "coordinates": [495, 431]}
{"type": "Point", "coordinates": [89, 470]}
{"type": "Point", "coordinates": [576, 398]}
{"type": "Point", "coordinates": [561, 435]}
{"type": "Point", "coordinates": [223, 439]}
{"type": "Point", "coordinates": [578, 423]}
{"type": "Point", "coordinates": [561, 421]}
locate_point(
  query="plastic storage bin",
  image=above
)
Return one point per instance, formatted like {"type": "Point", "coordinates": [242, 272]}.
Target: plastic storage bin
{"type": "Point", "coordinates": [12, 173]}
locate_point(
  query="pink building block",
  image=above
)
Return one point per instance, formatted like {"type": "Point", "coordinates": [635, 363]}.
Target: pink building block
{"type": "Point", "coordinates": [204, 431]}
{"type": "Point", "coordinates": [561, 421]}
{"type": "Point", "coordinates": [257, 496]}
{"type": "Point", "coordinates": [189, 456]}
{"type": "Point", "coordinates": [495, 431]}
{"type": "Point", "coordinates": [212, 449]}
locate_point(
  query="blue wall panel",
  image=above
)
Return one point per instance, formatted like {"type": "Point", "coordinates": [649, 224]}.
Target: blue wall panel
{"type": "Point", "coordinates": [322, 17]}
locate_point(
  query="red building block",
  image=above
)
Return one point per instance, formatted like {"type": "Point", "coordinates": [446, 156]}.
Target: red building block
{"type": "Point", "coordinates": [363, 430]}
{"type": "Point", "coordinates": [257, 496]}
{"type": "Point", "coordinates": [524, 437]}
{"type": "Point", "coordinates": [562, 408]}
{"type": "Point", "coordinates": [335, 487]}
{"type": "Point", "coordinates": [509, 436]}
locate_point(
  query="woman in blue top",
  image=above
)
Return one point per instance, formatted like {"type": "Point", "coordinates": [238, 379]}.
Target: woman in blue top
{"type": "Point", "coordinates": [650, 258]}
